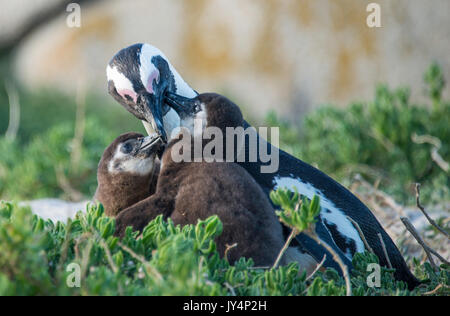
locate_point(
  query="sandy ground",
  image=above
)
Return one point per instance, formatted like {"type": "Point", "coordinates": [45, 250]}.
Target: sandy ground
{"type": "Point", "coordinates": [389, 212]}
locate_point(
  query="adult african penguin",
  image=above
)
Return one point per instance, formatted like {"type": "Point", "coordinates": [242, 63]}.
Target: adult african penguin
{"type": "Point", "coordinates": [127, 172]}
{"type": "Point", "coordinates": [140, 76]}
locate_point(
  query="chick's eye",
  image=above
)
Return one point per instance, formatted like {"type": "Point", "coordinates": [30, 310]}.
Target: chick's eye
{"type": "Point", "coordinates": [126, 148]}
{"type": "Point", "coordinates": [197, 107]}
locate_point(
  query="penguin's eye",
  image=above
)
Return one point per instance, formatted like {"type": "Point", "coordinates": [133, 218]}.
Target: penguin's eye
{"type": "Point", "coordinates": [197, 107]}
{"type": "Point", "coordinates": [126, 148]}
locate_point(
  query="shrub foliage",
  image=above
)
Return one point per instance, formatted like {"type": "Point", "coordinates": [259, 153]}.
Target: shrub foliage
{"type": "Point", "coordinates": [37, 256]}
{"type": "Point", "coordinates": [377, 139]}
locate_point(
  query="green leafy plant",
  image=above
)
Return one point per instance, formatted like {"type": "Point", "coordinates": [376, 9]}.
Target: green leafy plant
{"type": "Point", "coordinates": [36, 256]}
{"type": "Point", "coordinates": [379, 140]}
{"type": "Point", "coordinates": [298, 212]}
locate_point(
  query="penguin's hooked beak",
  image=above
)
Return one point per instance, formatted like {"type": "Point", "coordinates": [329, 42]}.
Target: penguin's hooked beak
{"type": "Point", "coordinates": [185, 107]}
{"type": "Point", "coordinates": [151, 107]}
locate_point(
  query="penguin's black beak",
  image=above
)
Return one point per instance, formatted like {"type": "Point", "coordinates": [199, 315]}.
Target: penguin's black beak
{"type": "Point", "coordinates": [151, 107]}
{"type": "Point", "coordinates": [185, 107]}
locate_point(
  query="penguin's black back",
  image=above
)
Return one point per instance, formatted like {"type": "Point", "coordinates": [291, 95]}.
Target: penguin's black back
{"type": "Point", "coordinates": [345, 201]}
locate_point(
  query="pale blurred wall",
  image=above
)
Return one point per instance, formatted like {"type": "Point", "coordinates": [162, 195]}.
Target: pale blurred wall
{"type": "Point", "coordinates": [14, 14]}
{"type": "Point", "coordinates": [283, 55]}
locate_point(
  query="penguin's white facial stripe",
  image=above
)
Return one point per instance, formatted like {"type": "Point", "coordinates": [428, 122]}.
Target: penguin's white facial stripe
{"type": "Point", "coordinates": [154, 76]}
{"type": "Point", "coordinates": [125, 163]}
{"type": "Point", "coordinates": [182, 88]}
{"type": "Point", "coordinates": [147, 70]}
{"type": "Point", "coordinates": [122, 84]}
{"type": "Point", "coordinates": [334, 216]}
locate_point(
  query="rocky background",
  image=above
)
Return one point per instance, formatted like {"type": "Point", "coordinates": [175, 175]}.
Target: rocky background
{"type": "Point", "coordinates": [288, 55]}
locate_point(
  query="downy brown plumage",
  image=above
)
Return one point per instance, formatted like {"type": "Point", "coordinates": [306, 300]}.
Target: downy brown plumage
{"type": "Point", "coordinates": [127, 172]}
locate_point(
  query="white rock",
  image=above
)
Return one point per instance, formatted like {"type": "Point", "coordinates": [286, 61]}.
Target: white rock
{"type": "Point", "coordinates": [55, 209]}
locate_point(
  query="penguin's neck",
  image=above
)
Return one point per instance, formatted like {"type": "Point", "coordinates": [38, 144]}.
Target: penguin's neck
{"type": "Point", "coordinates": [266, 180]}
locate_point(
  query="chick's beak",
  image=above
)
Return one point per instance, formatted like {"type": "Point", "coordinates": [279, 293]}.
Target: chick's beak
{"type": "Point", "coordinates": [151, 144]}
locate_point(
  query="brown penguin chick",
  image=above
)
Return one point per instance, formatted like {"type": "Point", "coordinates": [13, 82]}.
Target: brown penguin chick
{"type": "Point", "coordinates": [127, 172]}
{"type": "Point", "coordinates": [189, 191]}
